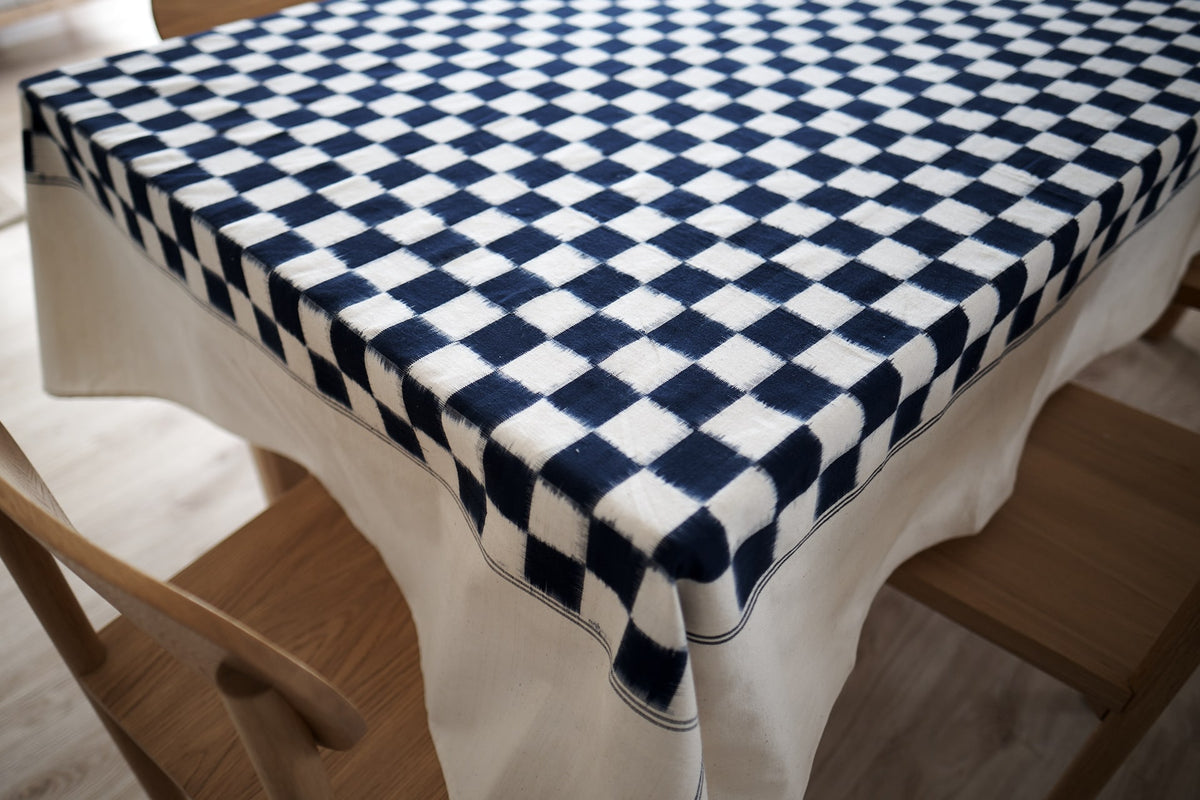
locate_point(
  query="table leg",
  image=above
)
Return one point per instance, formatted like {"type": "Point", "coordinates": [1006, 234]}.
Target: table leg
{"type": "Point", "coordinates": [276, 473]}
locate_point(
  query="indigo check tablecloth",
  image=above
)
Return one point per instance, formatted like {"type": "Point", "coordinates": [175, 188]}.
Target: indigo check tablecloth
{"type": "Point", "coordinates": [655, 289]}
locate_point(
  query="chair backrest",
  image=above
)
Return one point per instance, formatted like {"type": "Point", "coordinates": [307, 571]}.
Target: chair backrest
{"type": "Point", "coordinates": [181, 17]}
{"type": "Point", "coordinates": [33, 528]}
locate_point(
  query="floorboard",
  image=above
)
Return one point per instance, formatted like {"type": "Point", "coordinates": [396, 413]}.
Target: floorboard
{"type": "Point", "coordinates": [929, 712]}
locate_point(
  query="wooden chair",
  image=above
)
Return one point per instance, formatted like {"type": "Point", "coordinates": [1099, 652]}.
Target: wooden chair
{"type": "Point", "coordinates": [1091, 571]}
{"type": "Point", "coordinates": [178, 683]}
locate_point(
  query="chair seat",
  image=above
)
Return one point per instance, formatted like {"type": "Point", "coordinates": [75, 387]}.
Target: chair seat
{"type": "Point", "coordinates": [1081, 571]}
{"type": "Point", "coordinates": [304, 577]}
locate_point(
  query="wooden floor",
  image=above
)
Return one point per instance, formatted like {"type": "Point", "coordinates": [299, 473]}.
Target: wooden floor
{"type": "Point", "coordinates": [930, 712]}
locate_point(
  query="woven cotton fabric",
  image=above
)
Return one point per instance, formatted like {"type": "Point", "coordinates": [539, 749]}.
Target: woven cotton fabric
{"type": "Point", "coordinates": [653, 288]}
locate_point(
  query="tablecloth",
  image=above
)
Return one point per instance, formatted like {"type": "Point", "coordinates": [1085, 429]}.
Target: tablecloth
{"type": "Point", "coordinates": [694, 314]}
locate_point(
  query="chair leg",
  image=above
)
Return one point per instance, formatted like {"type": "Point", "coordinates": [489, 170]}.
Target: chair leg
{"type": "Point", "coordinates": [278, 741]}
{"type": "Point", "coordinates": [157, 783]}
{"type": "Point", "coordinates": [276, 473]}
{"type": "Point", "coordinates": [1166, 323]}
{"type": "Point", "coordinates": [1170, 663]}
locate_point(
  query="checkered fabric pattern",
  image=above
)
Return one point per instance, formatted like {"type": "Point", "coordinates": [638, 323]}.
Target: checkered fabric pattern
{"type": "Point", "coordinates": [653, 287]}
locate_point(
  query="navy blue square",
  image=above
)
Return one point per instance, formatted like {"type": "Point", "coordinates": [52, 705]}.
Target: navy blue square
{"type": "Point", "coordinates": [523, 245]}
{"type": "Point", "coordinates": [341, 291]}
{"type": "Point", "coordinates": [491, 400]}
{"type": "Point", "coordinates": [594, 397]}
{"type": "Point", "coordinates": [329, 379]}
{"type": "Point", "coordinates": [652, 671]}
{"type": "Point", "coordinates": [601, 285]}
{"type": "Point", "coordinates": [285, 304]}
{"type": "Point", "coordinates": [588, 469]}
{"type": "Point", "coordinates": [509, 483]}
{"type": "Point", "coordinates": [597, 337]}
{"type": "Point", "coordinates": [765, 240]}
{"type": "Point", "coordinates": [424, 410]}
{"type": "Point", "coordinates": [691, 333]}
{"type": "Point", "coordinates": [554, 573]}
{"type": "Point", "coordinates": [472, 496]}
{"type": "Point", "coordinates": [443, 247]}
{"type": "Point", "coordinates": [700, 465]}
{"type": "Point", "coordinates": [784, 334]}
{"type": "Point", "coordinates": [909, 414]}
{"type": "Point", "coordinates": [613, 559]}
{"type": "Point", "coordinates": [698, 550]}
{"type": "Point", "coordinates": [684, 241]}
{"type": "Point", "coordinates": [838, 480]}
{"type": "Point", "coordinates": [796, 391]}
{"type": "Point", "coordinates": [687, 284]}
{"type": "Point", "coordinates": [878, 392]}
{"type": "Point", "coordinates": [505, 339]}
{"type": "Point", "coordinates": [946, 280]}
{"type": "Point", "coordinates": [400, 431]}
{"type": "Point", "coordinates": [512, 289]}
{"type": "Point", "coordinates": [859, 282]}
{"type": "Point", "coordinates": [268, 332]}
{"type": "Point", "coordinates": [876, 331]}
{"type": "Point", "coordinates": [428, 291]}
{"type": "Point", "coordinates": [602, 243]}
{"type": "Point", "coordinates": [218, 293]}
{"type": "Point", "coordinates": [751, 561]}
{"type": "Point", "coordinates": [694, 395]}
{"type": "Point", "coordinates": [407, 342]}
{"type": "Point", "coordinates": [774, 282]}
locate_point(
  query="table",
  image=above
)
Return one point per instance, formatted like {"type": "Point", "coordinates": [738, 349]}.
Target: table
{"type": "Point", "coordinates": [643, 339]}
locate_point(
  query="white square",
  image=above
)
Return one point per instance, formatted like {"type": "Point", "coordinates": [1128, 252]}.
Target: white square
{"type": "Point", "coordinates": [978, 258]}
{"type": "Point", "coordinates": [812, 260]}
{"type": "Point", "coordinates": [721, 220]}
{"type": "Point", "coordinates": [487, 226]}
{"type": "Point", "coordinates": [566, 224]}
{"type": "Point", "coordinates": [884, 220]}
{"type": "Point", "coordinates": [715, 186]}
{"type": "Point", "coordinates": [863, 183]}
{"type": "Point", "coordinates": [745, 505]}
{"type": "Point", "coordinates": [823, 306]}
{"type": "Point", "coordinates": [546, 368]}
{"type": "Point", "coordinates": [559, 265]}
{"type": "Point", "coordinates": [734, 308]}
{"type": "Point", "coordinates": [555, 311]}
{"type": "Point", "coordinates": [567, 190]}
{"type": "Point", "coordinates": [538, 433]}
{"type": "Point", "coordinates": [957, 217]}
{"type": "Point", "coordinates": [498, 189]}
{"type": "Point", "coordinates": [448, 369]}
{"type": "Point", "coordinates": [913, 306]}
{"type": "Point", "coordinates": [478, 266]}
{"type": "Point", "coordinates": [641, 224]}
{"type": "Point", "coordinates": [894, 259]}
{"type": "Point", "coordinates": [644, 365]}
{"type": "Point", "coordinates": [645, 508]}
{"type": "Point", "coordinates": [375, 314]}
{"type": "Point", "coordinates": [741, 363]}
{"type": "Point", "coordinates": [838, 361]}
{"type": "Point", "coordinates": [726, 261]}
{"type": "Point", "coordinates": [644, 262]}
{"type": "Point", "coordinates": [463, 315]}
{"type": "Point", "coordinates": [555, 520]}
{"type": "Point", "coordinates": [751, 428]}
{"type": "Point", "coordinates": [332, 229]}
{"type": "Point", "coordinates": [644, 431]}
{"type": "Point", "coordinates": [643, 309]}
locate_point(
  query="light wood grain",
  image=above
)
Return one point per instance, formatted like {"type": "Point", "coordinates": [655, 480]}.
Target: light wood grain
{"type": "Point", "coordinates": [162, 676]}
{"type": "Point", "coordinates": [1091, 571]}
{"type": "Point", "coordinates": [930, 712]}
